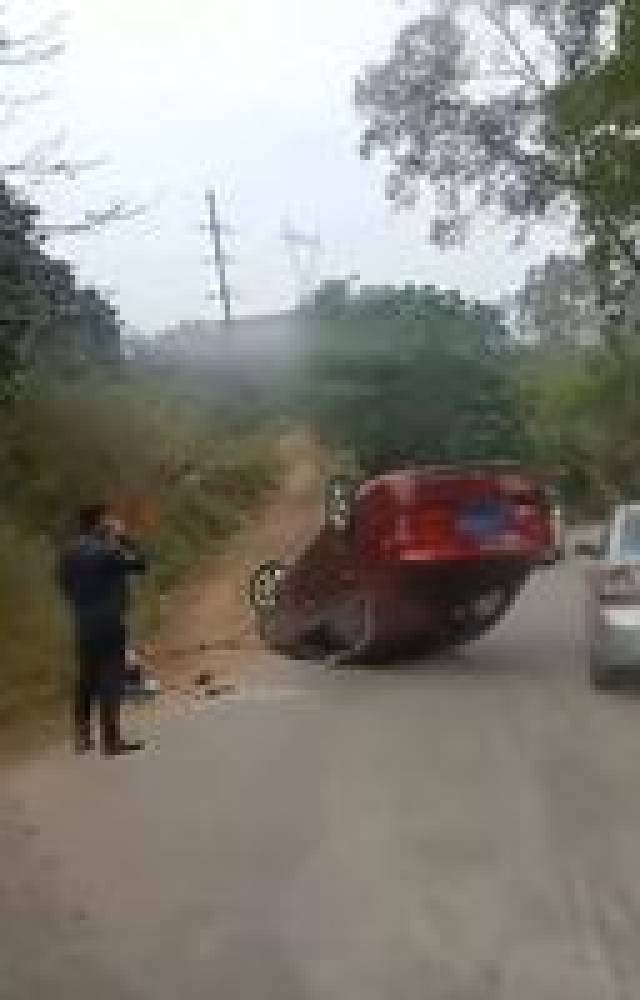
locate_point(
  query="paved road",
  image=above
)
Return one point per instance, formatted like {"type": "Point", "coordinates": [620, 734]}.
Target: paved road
{"type": "Point", "coordinates": [465, 829]}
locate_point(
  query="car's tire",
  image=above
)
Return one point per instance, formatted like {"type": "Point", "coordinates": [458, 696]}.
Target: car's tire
{"type": "Point", "coordinates": [599, 676]}
{"type": "Point", "coordinates": [339, 503]}
{"type": "Point", "coordinates": [600, 681]}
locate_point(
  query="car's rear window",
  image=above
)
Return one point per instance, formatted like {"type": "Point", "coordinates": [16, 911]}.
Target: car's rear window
{"type": "Point", "coordinates": [630, 537]}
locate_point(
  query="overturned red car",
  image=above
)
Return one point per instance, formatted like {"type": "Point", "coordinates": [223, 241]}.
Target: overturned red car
{"type": "Point", "coordinates": [419, 558]}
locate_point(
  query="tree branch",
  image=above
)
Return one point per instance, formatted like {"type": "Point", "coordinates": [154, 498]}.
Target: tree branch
{"type": "Point", "coordinates": [628, 248]}
{"type": "Point", "coordinates": [33, 47]}
{"type": "Point", "coordinates": [31, 56]}
{"type": "Point", "coordinates": [118, 212]}
{"type": "Point", "coordinates": [514, 43]}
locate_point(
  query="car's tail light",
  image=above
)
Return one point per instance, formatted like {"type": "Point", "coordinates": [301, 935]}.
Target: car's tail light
{"type": "Point", "coordinates": [394, 536]}
{"type": "Point", "coordinates": [530, 522]}
{"type": "Point", "coordinates": [619, 583]}
{"type": "Point", "coordinates": [412, 529]}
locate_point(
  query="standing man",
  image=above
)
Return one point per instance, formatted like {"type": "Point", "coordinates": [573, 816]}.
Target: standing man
{"type": "Point", "coordinates": [93, 572]}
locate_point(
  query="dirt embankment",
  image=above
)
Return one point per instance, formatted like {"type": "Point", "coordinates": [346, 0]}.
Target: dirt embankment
{"type": "Point", "coordinates": [207, 630]}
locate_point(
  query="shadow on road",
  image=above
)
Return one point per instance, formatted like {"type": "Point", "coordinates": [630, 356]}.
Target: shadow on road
{"type": "Point", "coordinates": [507, 652]}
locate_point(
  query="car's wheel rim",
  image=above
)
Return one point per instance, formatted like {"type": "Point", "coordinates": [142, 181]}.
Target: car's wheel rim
{"type": "Point", "coordinates": [339, 505]}
{"type": "Point", "coordinates": [265, 586]}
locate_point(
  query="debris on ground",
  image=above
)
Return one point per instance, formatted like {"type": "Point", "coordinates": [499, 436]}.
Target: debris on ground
{"type": "Point", "coordinates": [204, 678]}
{"type": "Point", "coordinates": [218, 690]}
{"type": "Point", "coordinates": [138, 681]}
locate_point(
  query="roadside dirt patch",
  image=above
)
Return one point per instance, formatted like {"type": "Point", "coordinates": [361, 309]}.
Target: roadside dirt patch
{"type": "Point", "coordinates": [207, 629]}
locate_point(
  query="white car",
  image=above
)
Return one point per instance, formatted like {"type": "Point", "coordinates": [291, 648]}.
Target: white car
{"type": "Point", "coordinates": [613, 605]}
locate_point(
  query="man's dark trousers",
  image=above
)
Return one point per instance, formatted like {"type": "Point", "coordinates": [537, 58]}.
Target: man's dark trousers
{"type": "Point", "coordinates": [100, 671]}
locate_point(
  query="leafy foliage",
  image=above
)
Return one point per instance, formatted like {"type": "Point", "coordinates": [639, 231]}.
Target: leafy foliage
{"type": "Point", "coordinates": [597, 126]}
{"type": "Point", "coordinates": [584, 414]}
{"type": "Point", "coordinates": [538, 133]}
{"type": "Point", "coordinates": [43, 313]}
{"type": "Point", "coordinates": [558, 304]}
{"type": "Point", "coordinates": [426, 109]}
{"type": "Point", "coordinates": [410, 375]}
{"type": "Point", "coordinates": [541, 134]}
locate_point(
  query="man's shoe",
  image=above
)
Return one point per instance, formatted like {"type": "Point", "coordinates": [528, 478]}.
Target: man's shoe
{"type": "Point", "coordinates": [121, 748]}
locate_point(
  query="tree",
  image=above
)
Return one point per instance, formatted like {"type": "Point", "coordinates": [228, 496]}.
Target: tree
{"type": "Point", "coordinates": [557, 305]}
{"type": "Point", "coordinates": [330, 298]}
{"type": "Point", "coordinates": [425, 110]}
{"type": "Point", "coordinates": [537, 140]}
{"type": "Point", "coordinates": [43, 313]}
{"type": "Point", "coordinates": [597, 119]}
{"type": "Point", "coordinates": [411, 375]}
{"type": "Point", "coordinates": [45, 160]}
{"type": "Point", "coordinates": [583, 415]}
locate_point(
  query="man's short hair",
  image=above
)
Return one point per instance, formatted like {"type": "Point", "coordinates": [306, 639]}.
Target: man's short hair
{"type": "Point", "coordinates": [89, 517]}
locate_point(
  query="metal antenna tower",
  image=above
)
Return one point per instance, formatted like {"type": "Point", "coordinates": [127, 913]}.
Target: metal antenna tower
{"type": "Point", "coordinates": [303, 250]}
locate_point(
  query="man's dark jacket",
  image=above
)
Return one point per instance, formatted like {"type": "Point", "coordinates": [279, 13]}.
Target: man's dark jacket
{"type": "Point", "coordinates": [93, 574]}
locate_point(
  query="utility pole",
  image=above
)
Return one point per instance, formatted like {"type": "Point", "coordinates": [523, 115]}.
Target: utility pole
{"type": "Point", "coordinates": [303, 250]}
{"type": "Point", "coordinates": [215, 230]}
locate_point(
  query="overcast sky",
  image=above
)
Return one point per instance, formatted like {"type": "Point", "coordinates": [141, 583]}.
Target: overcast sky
{"type": "Point", "coordinates": [253, 97]}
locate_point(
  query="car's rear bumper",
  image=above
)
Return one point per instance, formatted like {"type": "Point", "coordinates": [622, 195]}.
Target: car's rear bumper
{"type": "Point", "coordinates": [616, 643]}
